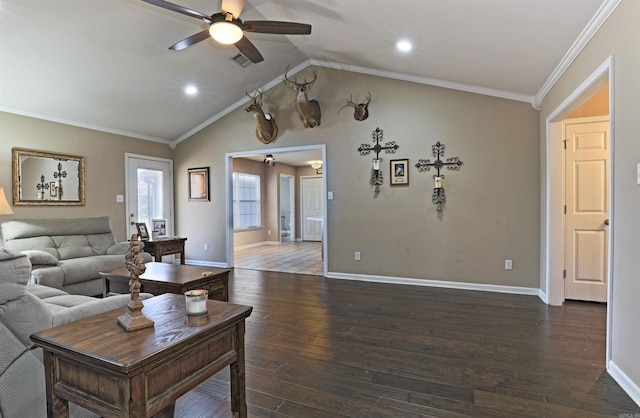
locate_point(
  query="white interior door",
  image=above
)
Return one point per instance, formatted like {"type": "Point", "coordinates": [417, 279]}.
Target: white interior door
{"type": "Point", "coordinates": [587, 209]}
{"type": "Point", "coordinates": [149, 193]}
{"type": "Point", "coordinates": [312, 208]}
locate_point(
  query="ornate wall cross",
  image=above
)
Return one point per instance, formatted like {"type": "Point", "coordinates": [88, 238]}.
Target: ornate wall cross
{"type": "Point", "coordinates": [389, 148]}
{"type": "Point", "coordinates": [59, 175]}
{"type": "Point", "coordinates": [42, 186]}
{"type": "Point", "coordinates": [453, 163]}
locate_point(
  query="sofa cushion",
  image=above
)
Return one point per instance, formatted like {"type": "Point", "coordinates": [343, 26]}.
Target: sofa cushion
{"type": "Point", "coordinates": [80, 269]}
{"type": "Point", "coordinates": [43, 243]}
{"type": "Point", "coordinates": [72, 246]}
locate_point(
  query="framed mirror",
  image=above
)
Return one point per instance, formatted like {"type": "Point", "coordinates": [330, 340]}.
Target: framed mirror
{"type": "Point", "coordinates": [47, 179]}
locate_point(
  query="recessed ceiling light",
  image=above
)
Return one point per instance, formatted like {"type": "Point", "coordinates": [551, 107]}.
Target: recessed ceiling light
{"type": "Point", "coordinates": [191, 90]}
{"type": "Point", "coordinates": [404, 46]}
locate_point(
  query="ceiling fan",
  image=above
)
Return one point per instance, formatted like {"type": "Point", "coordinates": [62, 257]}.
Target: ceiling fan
{"type": "Point", "coordinates": [227, 28]}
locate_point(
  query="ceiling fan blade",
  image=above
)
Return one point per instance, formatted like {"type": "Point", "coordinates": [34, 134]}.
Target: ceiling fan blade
{"type": "Point", "coordinates": [179, 9]}
{"type": "Point", "coordinates": [232, 6]}
{"type": "Point", "coordinates": [272, 26]}
{"type": "Point", "coordinates": [191, 40]}
{"type": "Point", "coordinates": [249, 50]}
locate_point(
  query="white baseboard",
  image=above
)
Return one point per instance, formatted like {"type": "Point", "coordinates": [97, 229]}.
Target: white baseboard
{"type": "Point", "coordinates": [256, 244]}
{"type": "Point", "coordinates": [207, 263]}
{"type": "Point", "coordinates": [437, 283]}
{"type": "Point", "coordinates": [625, 382]}
{"type": "Point", "coordinates": [543, 296]}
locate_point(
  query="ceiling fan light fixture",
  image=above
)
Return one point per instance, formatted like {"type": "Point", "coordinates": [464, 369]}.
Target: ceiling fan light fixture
{"type": "Point", "coordinates": [225, 32]}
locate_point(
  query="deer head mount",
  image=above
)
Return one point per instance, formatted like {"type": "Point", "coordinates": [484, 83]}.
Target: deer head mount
{"type": "Point", "coordinates": [308, 110]}
{"type": "Point", "coordinates": [360, 110]}
{"type": "Point", "coordinates": [266, 128]}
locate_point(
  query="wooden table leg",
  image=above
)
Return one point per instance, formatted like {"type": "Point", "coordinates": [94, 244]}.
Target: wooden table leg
{"type": "Point", "coordinates": [238, 392]}
{"type": "Point", "coordinates": [56, 407]}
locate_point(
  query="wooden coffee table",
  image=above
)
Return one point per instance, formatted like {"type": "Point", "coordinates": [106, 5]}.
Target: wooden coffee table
{"type": "Point", "coordinates": [98, 365]}
{"type": "Point", "coordinates": [162, 278]}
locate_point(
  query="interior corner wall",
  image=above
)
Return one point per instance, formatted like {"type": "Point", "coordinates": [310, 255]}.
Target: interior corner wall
{"type": "Point", "coordinates": [493, 202]}
{"type": "Point", "coordinates": [104, 165]}
{"type": "Point", "coordinates": [612, 39]}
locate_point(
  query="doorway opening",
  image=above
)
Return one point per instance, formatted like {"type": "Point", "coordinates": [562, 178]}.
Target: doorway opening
{"type": "Point", "coordinates": [554, 223]}
{"type": "Point", "coordinates": [276, 243]}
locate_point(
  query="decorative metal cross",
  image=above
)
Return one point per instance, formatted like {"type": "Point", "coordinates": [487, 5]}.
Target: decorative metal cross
{"type": "Point", "coordinates": [453, 163]}
{"type": "Point", "coordinates": [59, 175]}
{"type": "Point", "coordinates": [389, 148]}
{"type": "Point", "coordinates": [42, 186]}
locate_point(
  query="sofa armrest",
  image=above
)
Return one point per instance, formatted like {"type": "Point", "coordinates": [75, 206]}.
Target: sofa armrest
{"type": "Point", "coordinates": [48, 276]}
{"type": "Point", "coordinates": [93, 308]}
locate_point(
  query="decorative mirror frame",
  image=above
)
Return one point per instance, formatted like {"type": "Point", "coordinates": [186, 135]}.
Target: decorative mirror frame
{"type": "Point", "coordinates": [18, 153]}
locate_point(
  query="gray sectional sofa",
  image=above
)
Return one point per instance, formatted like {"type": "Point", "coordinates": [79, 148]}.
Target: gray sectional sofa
{"type": "Point", "coordinates": [67, 253]}
{"type": "Point", "coordinates": [26, 309]}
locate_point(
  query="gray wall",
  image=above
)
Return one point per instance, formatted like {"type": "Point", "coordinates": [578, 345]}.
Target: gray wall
{"type": "Point", "coordinates": [493, 202]}
{"type": "Point", "coordinates": [618, 38]}
{"type": "Point", "coordinates": [104, 165]}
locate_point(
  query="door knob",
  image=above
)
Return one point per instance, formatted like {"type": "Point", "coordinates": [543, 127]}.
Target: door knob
{"type": "Point", "coordinates": [606, 222]}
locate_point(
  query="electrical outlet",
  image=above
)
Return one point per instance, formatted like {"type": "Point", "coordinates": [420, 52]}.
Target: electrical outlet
{"type": "Point", "coordinates": [269, 232]}
{"type": "Point", "coordinates": [206, 246]}
{"type": "Point", "coordinates": [508, 264]}
{"type": "Point", "coordinates": [119, 198]}
{"type": "Point", "coordinates": [357, 255]}
{"type": "Point", "coordinates": [330, 194]}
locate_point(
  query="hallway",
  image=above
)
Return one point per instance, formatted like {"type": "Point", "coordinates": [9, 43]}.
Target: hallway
{"type": "Point", "coordinates": [301, 257]}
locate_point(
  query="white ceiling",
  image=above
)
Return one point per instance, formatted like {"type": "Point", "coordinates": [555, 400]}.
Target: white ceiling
{"type": "Point", "coordinates": [105, 64]}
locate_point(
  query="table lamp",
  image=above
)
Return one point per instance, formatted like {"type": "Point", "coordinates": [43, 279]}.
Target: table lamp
{"type": "Point", "coordinates": [5, 209]}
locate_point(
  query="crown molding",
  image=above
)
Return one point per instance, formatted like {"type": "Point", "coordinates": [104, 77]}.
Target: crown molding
{"type": "Point", "coordinates": [426, 80]}
{"type": "Point", "coordinates": [69, 122]}
{"type": "Point", "coordinates": [603, 13]}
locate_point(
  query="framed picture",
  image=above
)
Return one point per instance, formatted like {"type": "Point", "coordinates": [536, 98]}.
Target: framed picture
{"type": "Point", "coordinates": [199, 184]}
{"type": "Point", "coordinates": [160, 227]}
{"type": "Point", "coordinates": [399, 172]}
{"type": "Point", "coordinates": [143, 233]}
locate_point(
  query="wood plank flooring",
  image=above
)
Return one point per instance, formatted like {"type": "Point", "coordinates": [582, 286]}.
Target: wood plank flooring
{"type": "Point", "coordinates": [318, 347]}
{"type": "Point", "coordinates": [302, 257]}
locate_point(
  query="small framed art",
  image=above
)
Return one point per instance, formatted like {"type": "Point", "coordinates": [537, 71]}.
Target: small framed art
{"type": "Point", "coordinates": [143, 232]}
{"type": "Point", "coordinates": [199, 184]}
{"type": "Point", "coordinates": [399, 172]}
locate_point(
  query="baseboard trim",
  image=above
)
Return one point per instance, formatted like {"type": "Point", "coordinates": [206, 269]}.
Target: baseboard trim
{"type": "Point", "coordinates": [437, 283]}
{"type": "Point", "coordinates": [257, 244]}
{"type": "Point", "coordinates": [206, 263]}
{"type": "Point", "coordinates": [625, 382]}
{"type": "Point", "coordinates": [543, 296]}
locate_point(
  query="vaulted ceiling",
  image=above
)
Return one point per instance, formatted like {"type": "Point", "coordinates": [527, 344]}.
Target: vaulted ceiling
{"type": "Point", "coordinates": [105, 64]}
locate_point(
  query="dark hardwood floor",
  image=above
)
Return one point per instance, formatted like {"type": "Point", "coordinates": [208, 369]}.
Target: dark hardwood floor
{"type": "Point", "coordinates": [319, 347]}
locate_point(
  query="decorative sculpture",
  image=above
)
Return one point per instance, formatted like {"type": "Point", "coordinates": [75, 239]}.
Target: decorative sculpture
{"type": "Point", "coordinates": [389, 148]}
{"type": "Point", "coordinates": [308, 110]}
{"type": "Point", "coordinates": [438, 197]}
{"type": "Point", "coordinates": [266, 128]}
{"type": "Point", "coordinates": [360, 110]}
{"type": "Point", "coordinates": [133, 318]}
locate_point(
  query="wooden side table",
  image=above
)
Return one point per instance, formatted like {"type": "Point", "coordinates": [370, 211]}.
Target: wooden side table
{"type": "Point", "coordinates": [98, 365]}
{"type": "Point", "coordinates": [160, 247]}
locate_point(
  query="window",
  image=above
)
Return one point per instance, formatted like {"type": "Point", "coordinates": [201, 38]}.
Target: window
{"type": "Point", "coordinates": [246, 200]}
